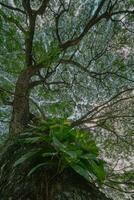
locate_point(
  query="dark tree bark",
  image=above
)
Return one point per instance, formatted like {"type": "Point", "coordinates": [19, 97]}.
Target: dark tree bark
{"type": "Point", "coordinates": [20, 113]}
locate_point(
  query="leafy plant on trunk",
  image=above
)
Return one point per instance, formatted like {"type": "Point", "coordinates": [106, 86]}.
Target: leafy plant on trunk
{"type": "Point", "coordinates": [66, 148]}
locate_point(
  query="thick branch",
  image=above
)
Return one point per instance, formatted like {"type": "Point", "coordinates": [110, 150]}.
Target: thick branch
{"type": "Point", "coordinates": [123, 12]}
{"type": "Point", "coordinates": [94, 20]}
{"type": "Point", "coordinates": [43, 7]}
{"type": "Point", "coordinates": [88, 26]}
{"type": "Point", "coordinates": [27, 7]}
{"type": "Point", "coordinates": [30, 33]}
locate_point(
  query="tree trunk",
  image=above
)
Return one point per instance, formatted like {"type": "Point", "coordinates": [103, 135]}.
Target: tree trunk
{"type": "Point", "coordinates": [20, 113]}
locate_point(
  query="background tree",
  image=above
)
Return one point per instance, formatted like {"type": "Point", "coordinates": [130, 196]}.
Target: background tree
{"type": "Point", "coordinates": [71, 59]}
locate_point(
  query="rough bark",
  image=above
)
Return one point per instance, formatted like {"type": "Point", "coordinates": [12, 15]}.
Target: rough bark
{"type": "Point", "coordinates": [20, 113]}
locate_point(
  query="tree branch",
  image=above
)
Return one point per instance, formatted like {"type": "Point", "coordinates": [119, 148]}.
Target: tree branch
{"type": "Point", "coordinates": [30, 33]}
{"type": "Point", "coordinates": [95, 19]}
{"type": "Point", "coordinates": [12, 8]}
{"type": "Point", "coordinates": [38, 107]}
{"type": "Point", "coordinates": [123, 12]}
{"type": "Point", "coordinates": [5, 90]}
{"type": "Point", "coordinates": [43, 7]}
{"type": "Point", "coordinates": [12, 20]}
{"type": "Point", "coordinates": [88, 26]}
{"type": "Point", "coordinates": [27, 7]}
{"type": "Point", "coordinates": [100, 107]}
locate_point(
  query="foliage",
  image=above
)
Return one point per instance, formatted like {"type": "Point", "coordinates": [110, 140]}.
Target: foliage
{"type": "Point", "coordinates": [66, 148]}
{"type": "Point", "coordinates": [80, 69]}
{"type": "Point", "coordinates": [46, 57]}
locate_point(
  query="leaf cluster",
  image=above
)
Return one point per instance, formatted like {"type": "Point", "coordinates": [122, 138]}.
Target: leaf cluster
{"type": "Point", "coordinates": [49, 56]}
{"type": "Point", "coordinates": [66, 148]}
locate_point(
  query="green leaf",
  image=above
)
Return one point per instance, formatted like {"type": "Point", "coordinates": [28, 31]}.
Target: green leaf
{"type": "Point", "coordinates": [32, 140]}
{"type": "Point", "coordinates": [49, 154]}
{"type": "Point", "coordinates": [58, 144]}
{"type": "Point", "coordinates": [98, 169]}
{"type": "Point", "coordinates": [70, 147]}
{"type": "Point", "coordinates": [35, 168]}
{"type": "Point", "coordinates": [89, 156]}
{"type": "Point", "coordinates": [72, 154]}
{"type": "Point", "coordinates": [83, 172]}
{"type": "Point", "coordinates": [61, 132]}
{"type": "Point", "coordinates": [26, 157]}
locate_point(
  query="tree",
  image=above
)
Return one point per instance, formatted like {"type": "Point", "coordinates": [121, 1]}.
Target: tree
{"type": "Point", "coordinates": [74, 56]}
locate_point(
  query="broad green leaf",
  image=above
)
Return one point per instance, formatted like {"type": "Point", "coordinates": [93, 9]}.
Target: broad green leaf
{"type": "Point", "coordinates": [25, 157]}
{"type": "Point", "coordinates": [58, 144]}
{"type": "Point", "coordinates": [83, 172]}
{"type": "Point", "coordinates": [98, 169]}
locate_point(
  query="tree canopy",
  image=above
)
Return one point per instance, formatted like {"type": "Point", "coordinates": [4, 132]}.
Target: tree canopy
{"type": "Point", "coordinates": [74, 60]}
